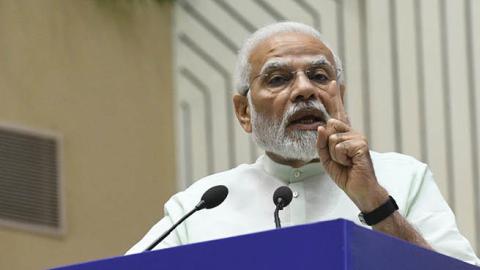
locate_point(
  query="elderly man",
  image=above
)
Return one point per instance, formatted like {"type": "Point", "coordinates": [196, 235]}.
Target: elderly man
{"type": "Point", "coordinates": [290, 99]}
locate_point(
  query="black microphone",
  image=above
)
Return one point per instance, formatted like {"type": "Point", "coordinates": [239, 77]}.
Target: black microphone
{"type": "Point", "coordinates": [281, 198]}
{"type": "Point", "coordinates": [210, 199]}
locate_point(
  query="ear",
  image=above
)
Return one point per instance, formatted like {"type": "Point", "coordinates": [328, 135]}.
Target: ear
{"type": "Point", "coordinates": [242, 111]}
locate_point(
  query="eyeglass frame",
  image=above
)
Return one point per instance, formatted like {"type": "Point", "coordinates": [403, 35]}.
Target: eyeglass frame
{"type": "Point", "coordinates": [305, 71]}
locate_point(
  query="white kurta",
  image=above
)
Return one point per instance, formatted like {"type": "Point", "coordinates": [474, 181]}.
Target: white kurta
{"type": "Point", "coordinates": [249, 206]}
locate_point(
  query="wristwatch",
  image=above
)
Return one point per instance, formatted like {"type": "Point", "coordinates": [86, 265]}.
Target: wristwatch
{"type": "Point", "coordinates": [379, 214]}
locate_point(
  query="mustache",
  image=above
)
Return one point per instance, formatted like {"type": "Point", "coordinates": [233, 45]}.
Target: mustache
{"type": "Point", "coordinates": [309, 105]}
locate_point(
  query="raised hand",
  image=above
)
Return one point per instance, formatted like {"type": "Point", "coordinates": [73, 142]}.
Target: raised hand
{"type": "Point", "coordinates": [344, 153]}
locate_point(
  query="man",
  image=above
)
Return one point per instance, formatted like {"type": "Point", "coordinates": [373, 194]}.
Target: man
{"type": "Point", "coordinates": [290, 98]}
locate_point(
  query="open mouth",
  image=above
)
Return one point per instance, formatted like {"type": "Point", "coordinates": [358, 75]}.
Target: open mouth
{"type": "Point", "coordinates": [309, 119]}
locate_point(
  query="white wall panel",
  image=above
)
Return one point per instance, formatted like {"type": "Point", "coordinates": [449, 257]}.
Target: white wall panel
{"type": "Point", "coordinates": [198, 132]}
{"type": "Point", "coordinates": [413, 83]}
{"type": "Point", "coordinates": [434, 105]}
{"type": "Point", "coordinates": [459, 109]}
{"type": "Point", "coordinates": [211, 9]}
{"type": "Point", "coordinates": [354, 66]}
{"type": "Point", "coordinates": [406, 76]}
{"type": "Point", "coordinates": [474, 33]}
{"type": "Point", "coordinates": [382, 117]}
{"type": "Point", "coordinates": [327, 10]}
{"type": "Point", "coordinates": [215, 85]}
{"type": "Point", "coordinates": [255, 13]}
{"type": "Point", "coordinates": [291, 11]}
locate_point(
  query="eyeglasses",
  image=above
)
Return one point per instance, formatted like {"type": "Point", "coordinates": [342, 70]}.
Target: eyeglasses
{"type": "Point", "coordinates": [280, 79]}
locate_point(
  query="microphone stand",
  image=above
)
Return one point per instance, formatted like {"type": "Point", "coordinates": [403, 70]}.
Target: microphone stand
{"type": "Point", "coordinates": [279, 206]}
{"type": "Point", "coordinates": [199, 206]}
{"type": "Point", "coordinates": [277, 218]}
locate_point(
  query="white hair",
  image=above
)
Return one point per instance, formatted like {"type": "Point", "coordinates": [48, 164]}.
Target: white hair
{"type": "Point", "coordinates": [243, 68]}
{"type": "Point", "coordinates": [272, 135]}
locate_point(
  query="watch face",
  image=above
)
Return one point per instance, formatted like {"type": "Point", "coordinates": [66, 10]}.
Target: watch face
{"type": "Point", "coordinates": [362, 219]}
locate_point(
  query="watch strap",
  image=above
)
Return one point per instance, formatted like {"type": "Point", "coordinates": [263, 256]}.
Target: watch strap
{"type": "Point", "coordinates": [379, 214]}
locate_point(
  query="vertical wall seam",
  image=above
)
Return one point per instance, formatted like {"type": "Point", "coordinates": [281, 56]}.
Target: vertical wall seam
{"type": "Point", "coordinates": [200, 86]}
{"type": "Point", "coordinates": [187, 143]}
{"type": "Point", "coordinates": [242, 21]}
{"type": "Point", "coordinates": [473, 114]}
{"type": "Point", "coordinates": [421, 80]}
{"type": "Point", "coordinates": [364, 55]}
{"type": "Point", "coordinates": [186, 40]}
{"type": "Point", "coordinates": [395, 81]}
{"type": "Point", "coordinates": [446, 103]}
{"type": "Point", "coordinates": [341, 40]}
{"type": "Point", "coordinates": [228, 94]}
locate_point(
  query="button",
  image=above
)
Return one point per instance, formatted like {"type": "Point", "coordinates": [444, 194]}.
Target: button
{"type": "Point", "coordinates": [295, 194]}
{"type": "Point", "coordinates": [297, 174]}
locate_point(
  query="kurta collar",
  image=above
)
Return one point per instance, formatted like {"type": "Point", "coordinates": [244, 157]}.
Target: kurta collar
{"type": "Point", "coordinates": [288, 174]}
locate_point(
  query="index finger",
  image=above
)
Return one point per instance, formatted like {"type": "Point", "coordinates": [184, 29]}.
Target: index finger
{"type": "Point", "coordinates": [334, 103]}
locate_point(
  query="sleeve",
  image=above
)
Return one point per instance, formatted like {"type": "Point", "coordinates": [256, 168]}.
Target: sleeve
{"type": "Point", "coordinates": [173, 212]}
{"type": "Point", "coordinates": [430, 214]}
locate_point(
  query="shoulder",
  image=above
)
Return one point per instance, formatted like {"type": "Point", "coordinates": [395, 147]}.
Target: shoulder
{"type": "Point", "coordinates": [402, 175]}
{"type": "Point", "coordinates": [395, 158]}
{"type": "Point", "coordinates": [190, 196]}
{"type": "Point", "coordinates": [226, 178]}
{"type": "Point", "coordinates": [396, 161]}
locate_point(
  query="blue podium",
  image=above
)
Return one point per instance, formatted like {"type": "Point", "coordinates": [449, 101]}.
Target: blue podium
{"type": "Point", "coordinates": [332, 245]}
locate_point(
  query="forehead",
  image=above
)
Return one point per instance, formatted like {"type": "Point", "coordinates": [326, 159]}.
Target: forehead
{"type": "Point", "coordinates": [289, 46]}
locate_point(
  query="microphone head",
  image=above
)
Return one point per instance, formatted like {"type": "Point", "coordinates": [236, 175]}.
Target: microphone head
{"type": "Point", "coordinates": [282, 196]}
{"type": "Point", "coordinates": [214, 197]}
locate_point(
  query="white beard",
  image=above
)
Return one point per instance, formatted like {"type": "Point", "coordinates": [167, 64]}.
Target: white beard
{"type": "Point", "coordinates": [271, 134]}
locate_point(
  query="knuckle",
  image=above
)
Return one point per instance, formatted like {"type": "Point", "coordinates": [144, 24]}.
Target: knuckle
{"type": "Point", "coordinates": [343, 147]}
{"type": "Point", "coordinates": [363, 144]}
{"type": "Point", "coordinates": [338, 147]}
{"type": "Point", "coordinates": [360, 152]}
{"type": "Point", "coordinates": [363, 151]}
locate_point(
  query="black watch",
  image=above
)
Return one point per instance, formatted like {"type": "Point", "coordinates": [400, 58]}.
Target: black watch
{"type": "Point", "coordinates": [379, 214]}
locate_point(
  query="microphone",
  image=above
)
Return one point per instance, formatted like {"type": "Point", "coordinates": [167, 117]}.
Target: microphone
{"type": "Point", "coordinates": [210, 199]}
{"type": "Point", "coordinates": [281, 198]}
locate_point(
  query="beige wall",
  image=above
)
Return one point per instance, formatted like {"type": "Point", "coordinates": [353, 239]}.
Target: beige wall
{"type": "Point", "coordinates": [99, 74]}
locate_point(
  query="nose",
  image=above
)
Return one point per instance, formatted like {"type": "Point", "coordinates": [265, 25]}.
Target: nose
{"type": "Point", "coordinates": [303, 89]}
